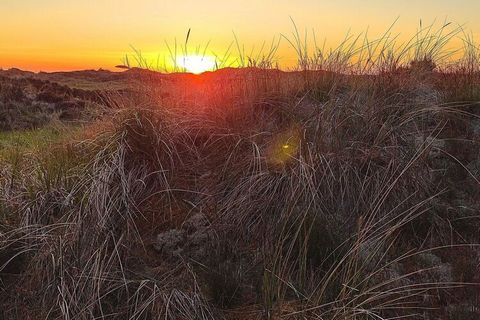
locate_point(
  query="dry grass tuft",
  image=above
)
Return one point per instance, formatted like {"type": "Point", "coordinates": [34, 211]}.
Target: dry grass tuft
{"type": "Point", "coordinates": [345, 190]}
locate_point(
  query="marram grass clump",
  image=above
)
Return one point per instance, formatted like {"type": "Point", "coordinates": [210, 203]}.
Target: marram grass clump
{"type": "Point", "coordinates": [344, 190]}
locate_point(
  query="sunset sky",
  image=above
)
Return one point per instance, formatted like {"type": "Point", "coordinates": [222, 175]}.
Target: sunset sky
{"type": "Point", "coordinates": [89, 34]}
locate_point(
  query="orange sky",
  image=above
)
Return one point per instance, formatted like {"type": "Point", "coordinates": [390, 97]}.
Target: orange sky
{"type": "Point", "coordinates": [82, 34]}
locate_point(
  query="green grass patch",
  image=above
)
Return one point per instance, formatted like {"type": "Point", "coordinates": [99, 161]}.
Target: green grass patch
{"type": "Point", "coordinates": [32, 140]}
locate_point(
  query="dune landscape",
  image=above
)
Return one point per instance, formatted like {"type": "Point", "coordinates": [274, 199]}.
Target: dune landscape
{"type": "Point", "coordinates": [345, 186]}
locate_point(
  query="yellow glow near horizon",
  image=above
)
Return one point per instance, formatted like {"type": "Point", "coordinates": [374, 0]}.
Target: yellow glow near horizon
{"type": "Point", "coordinates": [53, 35]}
{"type": "Point", "coordinates": [196, 64]}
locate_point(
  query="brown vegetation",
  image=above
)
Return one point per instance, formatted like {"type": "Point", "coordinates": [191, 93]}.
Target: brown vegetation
{"type": "Point", "coordinates": [254, 194]}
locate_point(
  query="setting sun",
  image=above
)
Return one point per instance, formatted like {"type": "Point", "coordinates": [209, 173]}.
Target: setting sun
{"type": "Point", "coordinates": [196, 64]}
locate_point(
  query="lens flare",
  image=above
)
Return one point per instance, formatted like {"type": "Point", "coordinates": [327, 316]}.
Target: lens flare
{"type": "Point", "coordinates": [284, 147]}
